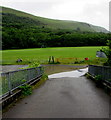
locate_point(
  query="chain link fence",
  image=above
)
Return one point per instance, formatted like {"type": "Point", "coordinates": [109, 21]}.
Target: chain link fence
{"type": "Point", "coordinates": [10, 81]}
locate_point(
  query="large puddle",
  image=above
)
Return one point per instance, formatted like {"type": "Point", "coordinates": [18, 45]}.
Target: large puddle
{"type": "Point", "coordinates": [49, 69]}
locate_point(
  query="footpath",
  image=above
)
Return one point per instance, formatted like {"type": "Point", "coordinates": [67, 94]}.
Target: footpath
{"type": "Point", "coordinates": [63, 97]}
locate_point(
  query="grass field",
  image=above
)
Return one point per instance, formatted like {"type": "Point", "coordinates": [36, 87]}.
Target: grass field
{"type": "Point", "coordinates": [64, 54]}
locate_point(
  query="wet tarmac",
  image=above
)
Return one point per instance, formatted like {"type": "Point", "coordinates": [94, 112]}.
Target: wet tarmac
{"type": "Point", "coordinates": [63, 98]}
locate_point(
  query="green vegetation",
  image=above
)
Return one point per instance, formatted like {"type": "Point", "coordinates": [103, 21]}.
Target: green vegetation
{"type": "Point", "coordinates": [26, 89]}
{"type": "Point", "coordinates": [15, 16]}
{"type": "Point", "coordinates": [64, 55]}
{"type": "Point", "coordinates": [21, 30]}
{"type": "Point", "coordinates": [108, 53]}
{"type": "Point", "coordinates": [98, 80]}
{"type": "Point", "coordinates": [31, 65]}
{"type": "Point", "coordinates": [34, 64]}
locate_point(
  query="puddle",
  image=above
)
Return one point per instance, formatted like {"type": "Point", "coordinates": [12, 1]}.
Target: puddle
{"type": "Point", "coordinates": [52, 69]}
{"type": "Point", "coordinates": [75, 73]}
{"type": "Point", "coordinates": [49, 69]}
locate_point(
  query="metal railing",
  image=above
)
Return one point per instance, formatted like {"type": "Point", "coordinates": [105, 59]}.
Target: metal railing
{"type": "Point", "coordinates": [104, 71]}
{"type": "Point", "coordinates": [14, 79]}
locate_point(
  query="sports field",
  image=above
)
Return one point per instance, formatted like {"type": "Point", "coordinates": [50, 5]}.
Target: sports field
{"type": "Point", "coordinates": [42, 54]}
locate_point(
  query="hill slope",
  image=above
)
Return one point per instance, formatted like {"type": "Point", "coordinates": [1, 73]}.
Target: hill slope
{"type": "Point", "coordinates": [22, 30]}
{"type": "Point", "coordinates": [14, 16]}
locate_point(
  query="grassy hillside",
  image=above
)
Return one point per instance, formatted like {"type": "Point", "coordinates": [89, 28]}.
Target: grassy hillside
{"type": "Point", "coordinates": [22, 30]}
{"type": "Point", "coordinates": [21, 17]}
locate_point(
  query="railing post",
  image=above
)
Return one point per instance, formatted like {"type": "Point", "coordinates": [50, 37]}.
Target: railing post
{"type": "Point", "coordinates": [9, 84]}
{"type": "Point", "coordinates": [41, 70]}
{"type": "Point", "coordinates": [28, 75]}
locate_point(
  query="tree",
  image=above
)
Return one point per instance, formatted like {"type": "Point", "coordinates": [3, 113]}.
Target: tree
{"type": "Point", "coordinates": [107, 51]}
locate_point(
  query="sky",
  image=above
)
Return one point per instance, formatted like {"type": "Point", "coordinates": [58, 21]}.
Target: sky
{"type": "Point", "coordinates": [95, 12]}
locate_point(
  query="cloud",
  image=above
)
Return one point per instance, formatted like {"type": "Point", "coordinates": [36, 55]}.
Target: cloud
{"type": "Point", "coordinates": [97, 13]}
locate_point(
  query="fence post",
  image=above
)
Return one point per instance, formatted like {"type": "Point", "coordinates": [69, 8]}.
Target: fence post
{"type": "Point", "coordinates": [41, 70]}
{"type": "Point", "coordinates": [28, 75]}
{"type": "Point", "coordinates": [9, 84]}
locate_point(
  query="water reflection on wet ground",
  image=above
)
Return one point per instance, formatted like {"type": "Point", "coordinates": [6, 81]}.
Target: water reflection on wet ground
{"type": "Point", "coordinates": [49, 69]}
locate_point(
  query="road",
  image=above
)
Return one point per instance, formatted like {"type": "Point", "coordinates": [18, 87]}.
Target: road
{"type": "Point", "coordinates": [63, 98]}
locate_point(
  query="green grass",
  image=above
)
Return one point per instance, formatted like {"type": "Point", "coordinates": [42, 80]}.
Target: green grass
{"type": "Point", "coordinates": [42, 54]}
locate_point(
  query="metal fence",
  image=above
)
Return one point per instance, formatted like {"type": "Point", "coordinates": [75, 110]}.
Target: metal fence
{"type": "Point", "coordinates": [14, 79]}
{"type": "Point", "coordinates": [104, 71]}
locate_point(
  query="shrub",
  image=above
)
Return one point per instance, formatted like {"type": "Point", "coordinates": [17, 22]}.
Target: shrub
{"type": "Point", "coordinates": [34, 64]}
{"type": "Point", "coordinates": [109, 80]}
{"type": "Point", "coordinates": [31, 65]}
{"type": "Point", "coordinates": [98, 80]}
{"type": "Point", "coordinates": [108, 53]}
{"type": "Point", "coordinates": [26, 89]}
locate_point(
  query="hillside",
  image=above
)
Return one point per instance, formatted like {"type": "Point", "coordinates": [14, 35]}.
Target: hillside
{"type": "Point", "coordinates": [12, 16]}
{"type": "Point", "coordinates": [22, 30]}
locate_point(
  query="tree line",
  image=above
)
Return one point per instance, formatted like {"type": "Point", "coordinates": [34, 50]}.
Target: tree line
{"type": "Point", "coordinates": [13, 37]}
{"type": "Point", "coordinates": [23, 32]}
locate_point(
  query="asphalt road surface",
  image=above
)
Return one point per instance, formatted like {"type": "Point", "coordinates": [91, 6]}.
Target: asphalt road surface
{"type": "Point", "coordinates": [63, 98]}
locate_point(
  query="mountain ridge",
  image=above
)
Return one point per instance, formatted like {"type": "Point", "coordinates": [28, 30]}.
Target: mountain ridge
{"type": "Point", "coordinates": [54, 23]}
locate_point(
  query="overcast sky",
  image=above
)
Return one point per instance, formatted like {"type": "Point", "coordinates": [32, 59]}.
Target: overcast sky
{"type": "Point", "coordinates": [95, 12]}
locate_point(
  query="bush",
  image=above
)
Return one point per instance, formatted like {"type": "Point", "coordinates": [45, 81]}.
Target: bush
{"type": "Point", "coordinates": [31, 65]}
{"type": "Point", "coordinates": [26, 89]}
{"type": "Point", "coordinates": [108, 53]}
{"type": "Point", "coordinates": [98, 80]}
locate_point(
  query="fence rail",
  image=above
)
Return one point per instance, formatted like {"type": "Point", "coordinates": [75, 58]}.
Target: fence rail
{"type": "Point", "coordinates": [14, 79]}
{"type": "Point", "coordinates": [104, 71]}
